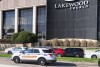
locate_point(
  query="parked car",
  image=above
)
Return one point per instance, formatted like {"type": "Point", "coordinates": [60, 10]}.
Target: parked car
{"type": "Point", "coordinates": [74, 52]}
{"type": "Point", "coordinates": [58, 51]}
{"type": "Point", "coordinates": [8, 49]}
{"type": "Point", "coordinates": [95, 54]}
{"type": "Point", "coordinates": [39, 55]}
{"type": "Point", "coordinates": [14, 50]}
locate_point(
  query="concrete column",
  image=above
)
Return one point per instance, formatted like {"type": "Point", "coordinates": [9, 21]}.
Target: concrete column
{"type": "Point", "coordinates": [34, 19]}
{"type": "Point", "coordinates": [1, 20]}
{"type": "Point", "coordinates": [16, 21]}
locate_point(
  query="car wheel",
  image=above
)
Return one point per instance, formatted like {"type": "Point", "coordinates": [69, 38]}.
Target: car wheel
{"type": "Point", "coordinates": [41, 61]}
{"type": "Point", "coordinates": [93, 56]}
{"type": "Point", "coordinates": [16, 59]}
{"type": "Point", "coordinates": [9, 52]}
{"type": "Point", "coordinates": [59, 55]}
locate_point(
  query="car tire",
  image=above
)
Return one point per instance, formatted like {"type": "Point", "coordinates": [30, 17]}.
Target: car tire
{"type": "Point", "coordinates": [41, 61]}
{"type": "Point", "coordinates": [93, 56]}
{"type": "Point", "coordinates": [9, 52]}
{"type": "Point", "coordinates": [59, 55]}
{"type": "Point", "coordinates": [16, 59]}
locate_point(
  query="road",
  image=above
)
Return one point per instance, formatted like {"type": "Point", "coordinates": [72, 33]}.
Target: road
{"type": "Point", "coordinates": [6, 62]}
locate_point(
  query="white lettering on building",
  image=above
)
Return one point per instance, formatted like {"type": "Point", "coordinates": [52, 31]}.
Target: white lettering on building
{"type": "Point", "coordinates": [73, 5]}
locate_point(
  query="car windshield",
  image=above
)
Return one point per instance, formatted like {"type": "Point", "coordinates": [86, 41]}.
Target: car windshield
{"type": "Point", "coordinates": [48, 51]}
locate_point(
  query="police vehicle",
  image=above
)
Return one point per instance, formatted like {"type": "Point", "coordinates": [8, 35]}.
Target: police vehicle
{"type": "Point", "coordinates": [40, 55]}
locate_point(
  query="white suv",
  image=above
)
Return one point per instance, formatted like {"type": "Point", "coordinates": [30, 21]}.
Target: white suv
{"type": "Point", "coordinates": [39, 55]}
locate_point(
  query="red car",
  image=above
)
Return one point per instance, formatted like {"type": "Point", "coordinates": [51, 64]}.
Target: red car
{"type": "Point", "coordinates": [58, 51]}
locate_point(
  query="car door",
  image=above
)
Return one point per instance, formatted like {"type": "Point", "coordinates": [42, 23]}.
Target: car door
{"type": "Point", "coordinates": [29, 55]}
{"type": "Point", "coordinates": [36, 53]}
{"type": "Point", "coordinates": [69, 52]}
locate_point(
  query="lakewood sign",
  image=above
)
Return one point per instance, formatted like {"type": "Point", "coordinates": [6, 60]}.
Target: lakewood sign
{"type": "Point", "coordinates": [72, 5]}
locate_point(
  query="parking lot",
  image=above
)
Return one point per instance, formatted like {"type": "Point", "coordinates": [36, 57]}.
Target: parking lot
{"type": "Point", "coordinates": [6, 62]}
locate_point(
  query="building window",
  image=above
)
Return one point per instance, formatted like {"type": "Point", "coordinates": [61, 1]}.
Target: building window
{"type": "Point", "coordinates": [8, 23]}
{"type": "Point", "coordinates": [25, 19]}
{"type": "Point", "coordinates": [41, 22]}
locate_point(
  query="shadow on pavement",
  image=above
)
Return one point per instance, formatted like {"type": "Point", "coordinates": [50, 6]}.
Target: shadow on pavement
{"type": "Point", "coordinates": [62, 64]}
{"type": "Point", "coordinates": [57, 64]}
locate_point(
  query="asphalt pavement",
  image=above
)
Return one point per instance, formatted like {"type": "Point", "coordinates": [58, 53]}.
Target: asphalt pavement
{"type": "Point", "coordinates": [3, 65]}
{"type": "Point", "coordinates": [6, 62]}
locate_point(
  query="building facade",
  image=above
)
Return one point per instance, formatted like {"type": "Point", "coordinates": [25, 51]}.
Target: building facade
{"type": "Point", "coordinates": [51, 18]}
{"type": "Point", "coordinates": [22, 15]}
{"type": "Point", "coordinates": [74, 19]}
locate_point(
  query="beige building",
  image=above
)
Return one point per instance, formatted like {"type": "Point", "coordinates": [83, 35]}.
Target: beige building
{"type": "Point", "coordinates": [18, 15]}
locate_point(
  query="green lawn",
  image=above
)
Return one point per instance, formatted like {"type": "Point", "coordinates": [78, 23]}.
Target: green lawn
{"type": "Point", "coordinates": [5, 55]}
{"type": "Point", "coordinates": [74, 59]}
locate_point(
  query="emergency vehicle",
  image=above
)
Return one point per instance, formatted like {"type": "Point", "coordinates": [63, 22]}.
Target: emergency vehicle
{"type": "Point", "coordinates": [40, 55]}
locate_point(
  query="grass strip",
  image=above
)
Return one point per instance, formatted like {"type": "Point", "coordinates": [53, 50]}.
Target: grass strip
{"type": "Point", "coordinates": [74, 59]}
{"type": "Point", "coordinates": [5, 55]}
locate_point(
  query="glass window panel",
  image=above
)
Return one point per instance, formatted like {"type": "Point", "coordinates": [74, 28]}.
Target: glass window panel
{"type": "Point", "coordinates": [8, 23]}
{"type": "Point", "coordinates": [26, 19]}
{"type": "Point", "coordinates": [99, 21]}
{"type": "Point", "coordinates": [41, 21]}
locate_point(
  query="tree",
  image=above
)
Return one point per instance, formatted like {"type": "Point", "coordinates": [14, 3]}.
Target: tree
{"type": "Point", "coordinates": [24, 37]}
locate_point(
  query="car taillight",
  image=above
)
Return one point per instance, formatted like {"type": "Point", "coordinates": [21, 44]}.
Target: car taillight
{"type": "Point", "coordinates": [50, 55]}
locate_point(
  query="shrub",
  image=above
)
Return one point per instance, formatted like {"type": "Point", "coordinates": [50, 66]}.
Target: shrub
{"type": "Point", "coordinates": [60, 43]}
{"type": "Point", "coordinates": [91, 44]}
{"type": "Point", "coordinates": [49, 43]}
{"type": "Point", "coordinates": [77, 43]}
{"type": "Point", "coordinates": [44, 42]}
{"type": "Point", "coordinates": [72, 43]}
{"type": "Point", "coordinates": [66, 42]}
{"type": "Point", "coordinates": [32, 38]}
{"type": "Point", "coordinates": [83, 43]}
{"type": "Point", "coordinates": [24, 37]}
{"type": "Point", "coordinates": [54, 42]}
{"type": "Point", "coordinates": [14, 36]}
{"type": "Point", "coordinates": [95, 44]}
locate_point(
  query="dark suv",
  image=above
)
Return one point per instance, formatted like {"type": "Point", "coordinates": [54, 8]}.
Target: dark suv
{"type": "Point", "coordinates": [74, 52]}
